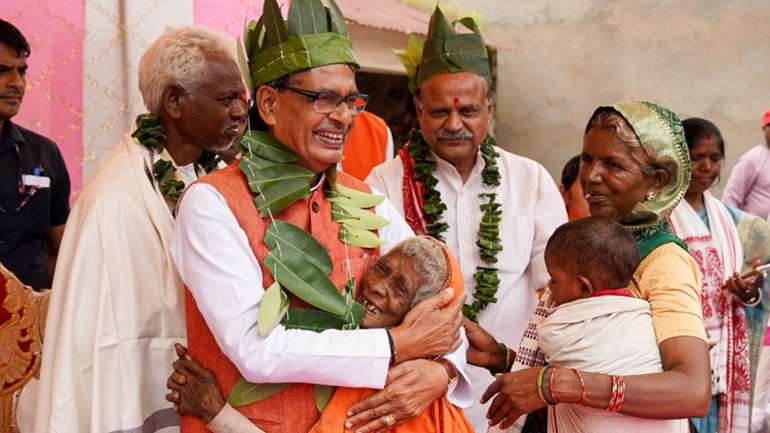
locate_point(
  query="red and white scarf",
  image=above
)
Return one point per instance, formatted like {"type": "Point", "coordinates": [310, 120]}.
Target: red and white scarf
{"type": "Point", "coordinates": [719, 255]}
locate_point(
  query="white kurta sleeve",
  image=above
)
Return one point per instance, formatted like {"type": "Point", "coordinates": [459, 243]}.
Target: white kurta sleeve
{"type": "Point", "coordinates": [550, 213]}
{"type": "Point", "coordinates": [213, 257]}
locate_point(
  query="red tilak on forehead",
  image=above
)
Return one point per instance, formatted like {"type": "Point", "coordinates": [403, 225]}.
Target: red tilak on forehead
{"type": "Point", "coordinates": [456, 102]}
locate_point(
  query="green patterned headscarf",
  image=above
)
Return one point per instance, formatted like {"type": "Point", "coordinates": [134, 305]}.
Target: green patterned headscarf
{"type": "Point", "coordinates": [445, 51]}
{"type": "Point", "coordinates": [312, 36]}
{"type": "Point", "coordinates": [662, 136]}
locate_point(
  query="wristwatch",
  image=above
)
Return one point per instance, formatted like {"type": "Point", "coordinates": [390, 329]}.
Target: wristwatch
{"type": "Point", "coordinates": [451, 371]}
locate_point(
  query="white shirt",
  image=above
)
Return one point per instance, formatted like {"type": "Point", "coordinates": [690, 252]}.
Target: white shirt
{"type": "Point", "coordinates": [214, 259]}
{"type": "Point", "coordinates": [532, 209]}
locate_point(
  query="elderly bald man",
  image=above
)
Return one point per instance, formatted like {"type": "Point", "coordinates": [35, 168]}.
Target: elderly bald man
{"type": "Point", "coordinates": [117, 300]}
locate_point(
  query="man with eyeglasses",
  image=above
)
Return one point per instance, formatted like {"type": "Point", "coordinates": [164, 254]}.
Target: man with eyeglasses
{"type": "Point", "coordinates": [305, 103]}
{"type": "Point", "coordinates": [34, 183]}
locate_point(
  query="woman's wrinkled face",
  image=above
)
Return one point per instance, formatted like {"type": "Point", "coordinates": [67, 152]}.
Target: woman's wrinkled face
{"type": "Point", "coordinates": [612, 180]}
{"type": "Point", "coordinates": [388, 289]}
{"type": "Point", "coordinates": [706, 159]}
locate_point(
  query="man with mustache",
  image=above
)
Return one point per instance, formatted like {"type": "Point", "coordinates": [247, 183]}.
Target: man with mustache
{"type": "Point", "coordinates": [116, 306]}
{"type": "Point", "coordinates": [274, 237]}
{"type": "Point", "coordinates": [34, 183]}
{"type": "Point", "coordinates": [495, 210]}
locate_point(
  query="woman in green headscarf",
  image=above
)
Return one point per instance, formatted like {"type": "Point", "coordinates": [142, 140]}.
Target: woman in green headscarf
{"type": "Point", "coordinates": [635, 168]}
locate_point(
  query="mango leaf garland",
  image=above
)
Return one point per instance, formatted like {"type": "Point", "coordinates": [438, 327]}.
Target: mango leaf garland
{"type": "Point", "coordinates": [348, 209]}
{"type": "Point", "coordinates": [305, 282]}
{"type": "Point", "coordinates": [269, 175]}
{"type": "Point", "coordinates": [489, 244]}
{"type": "Point", "coordinates": [272, 308]}
{"type": "Point", "coordinates": [264, 145]}
{"type": "Point", "coordinates": [293, 238]}
{"type": "Point", "coordinates": [281, 195]}
{"type": "Point", "coordinates": [150, 134]}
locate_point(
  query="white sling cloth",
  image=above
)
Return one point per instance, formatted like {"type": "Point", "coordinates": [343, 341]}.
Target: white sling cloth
{"type": "Point", "coordinates": [608, 335]}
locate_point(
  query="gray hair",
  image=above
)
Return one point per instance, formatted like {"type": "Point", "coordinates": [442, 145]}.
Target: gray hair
{"type": "Point", "coordinates": [611, 119]}
{"type": "Point", "coordinates": [179, 57]}
{"type": "Point", "coordinates": [430, 263]}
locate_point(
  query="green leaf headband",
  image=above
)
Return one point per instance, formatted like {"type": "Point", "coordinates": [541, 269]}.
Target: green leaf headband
{"type": "Point", "coordinates": [445, 51]}
{"type": "Point", "coordinates": [312, 36]}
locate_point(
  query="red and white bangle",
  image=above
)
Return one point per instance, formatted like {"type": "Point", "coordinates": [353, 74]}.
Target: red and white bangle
{"type": "Point", "coordinates": [617, 394]}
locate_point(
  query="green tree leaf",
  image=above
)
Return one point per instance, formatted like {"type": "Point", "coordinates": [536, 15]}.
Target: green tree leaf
{"type": "Point", "coordinates": [289, 237]}
{"type": "Point", "coordinates": [281, 195]}
{"type": "Point", "coordinates": [357, 218]}
{"type": "Point", "coordinates": [245, 393]}
{"type": "Point", "coordinates": [262, 144]}
{"type": "Point", "coordinates": [275, 29]}
{"type": "Point", "coordinates": [272, 308]}
{"type": "Point", "coordinates": [323, 393]}
{"type": "Point", "coordinates": [358, 237]}
{"type": "Point", "coordinates": [307, 17]}
{"type": "Point", "coordinates": [243, 65]}
{"type": "Point", "coordinates": [306, 282]}
{"type": "Point", "coordinates": [337, 19]}
{"type": "Point", "coordinates": [259, 180]}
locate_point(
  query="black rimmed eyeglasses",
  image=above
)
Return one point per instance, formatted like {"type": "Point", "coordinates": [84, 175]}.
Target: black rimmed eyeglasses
{"type": "Point", "coordinates": [327, 101]}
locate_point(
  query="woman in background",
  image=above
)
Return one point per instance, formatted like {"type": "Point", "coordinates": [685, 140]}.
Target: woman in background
{"type": "Point", "coordinates": [731, 303]}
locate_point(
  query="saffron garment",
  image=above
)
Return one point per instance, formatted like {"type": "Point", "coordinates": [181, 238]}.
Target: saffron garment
{"type": "Point", "coordinates": [532, 209]}
{"type": "Point", "coordinates": [368, 145]}
{"type": "Point", "coordinates": [441, 416]}
{"type": "Point", "coordinates": [748, 187]}
{"type": "Point", "coordinates": [116, 304]}
{"type": "Point", "coordinates": [609, 335]}
{"type": "Point", "coordinates": [217, 250]}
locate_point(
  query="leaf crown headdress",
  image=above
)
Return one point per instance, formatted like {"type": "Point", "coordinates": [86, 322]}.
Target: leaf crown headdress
{"type": "Point", "coordinates": [445, 51]}
{"type": "Point", "coordinates": [313, 35]}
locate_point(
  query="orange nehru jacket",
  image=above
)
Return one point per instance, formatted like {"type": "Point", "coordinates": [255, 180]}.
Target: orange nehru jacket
{"type": "Point", "coordinates": [440, 417]}
{"type": "Point", "coordinates": [293, 409]}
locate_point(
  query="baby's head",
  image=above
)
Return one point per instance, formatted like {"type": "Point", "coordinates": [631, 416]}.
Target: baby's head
{"type": "Point", "coordinates": [589, 254]}
{"type": "Point", "coordinates": [411, 271]}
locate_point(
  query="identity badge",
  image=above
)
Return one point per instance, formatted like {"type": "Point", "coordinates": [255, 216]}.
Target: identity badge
{"type": "Point", "coordinates": [36, 181]}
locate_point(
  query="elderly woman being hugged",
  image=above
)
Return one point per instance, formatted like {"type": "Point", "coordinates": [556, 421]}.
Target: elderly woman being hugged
{"type": "Point", "coordinates": [635, 169]}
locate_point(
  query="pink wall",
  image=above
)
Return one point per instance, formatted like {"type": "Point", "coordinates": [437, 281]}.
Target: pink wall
{"type": "Point", "coordinates": [53, 104]}
{"type": "Point", "coordinates": [229, 16]}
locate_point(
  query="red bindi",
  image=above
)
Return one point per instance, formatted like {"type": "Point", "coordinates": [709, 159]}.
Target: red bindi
{"type": "Point", "coordinates": [456, 103]}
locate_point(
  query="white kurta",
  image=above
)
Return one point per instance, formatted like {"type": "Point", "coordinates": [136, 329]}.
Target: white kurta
{"type": "Point", "coordinates": [214, 259]}
{"type": "Point", "coordinates": [532, 209]}
{"type": "Point", "coordinates": [116, 307]}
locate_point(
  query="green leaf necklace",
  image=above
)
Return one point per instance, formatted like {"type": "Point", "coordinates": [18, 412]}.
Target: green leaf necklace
{"type": "Point", "coordinates": [487, 279]}
{"type": "Point", "coordinates": [298, 262]}
{"type": "Point", "coordinates": [150, 134]}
